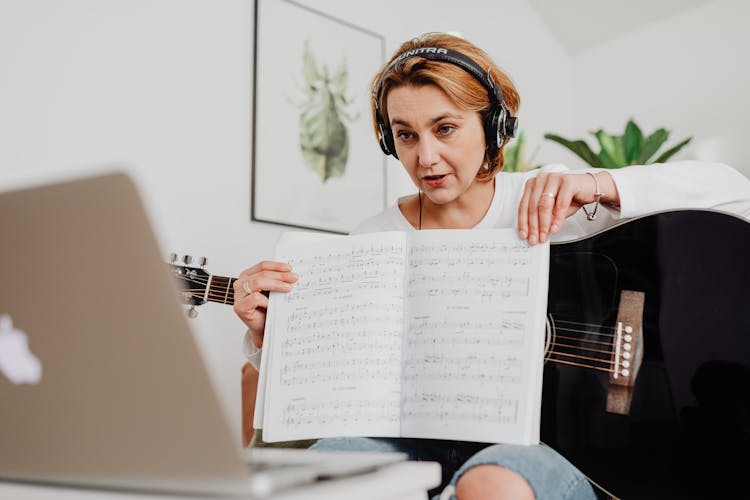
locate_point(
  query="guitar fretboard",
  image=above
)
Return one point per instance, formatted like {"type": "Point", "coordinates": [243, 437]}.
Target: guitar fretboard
{"type": "Point", "coordinates": [221, 290]}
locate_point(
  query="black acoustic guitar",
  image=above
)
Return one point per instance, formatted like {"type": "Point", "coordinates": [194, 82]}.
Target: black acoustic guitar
{"type": "Point", "coordinates": [647, 380]}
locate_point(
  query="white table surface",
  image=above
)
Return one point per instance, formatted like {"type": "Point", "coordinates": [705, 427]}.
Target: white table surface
{"type": "Point", "coordinates": [400, 481]}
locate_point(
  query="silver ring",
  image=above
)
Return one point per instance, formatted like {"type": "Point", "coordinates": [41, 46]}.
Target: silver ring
{"type": "Point", "coordinates": [246, 287]}
{"type": "Point", "coordinates": [552, 195]}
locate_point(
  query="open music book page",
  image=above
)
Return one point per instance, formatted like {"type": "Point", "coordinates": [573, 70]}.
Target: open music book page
{"type": "Point", "coordinates": [434, 334]}
{"type": "Point", "coordinates": [287, 238]}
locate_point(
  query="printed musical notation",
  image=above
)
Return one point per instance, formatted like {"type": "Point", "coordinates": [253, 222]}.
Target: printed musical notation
{"type": "Point", "coordinates": [344, 273]}
{"type": "Point", "coordinates": [490, 272]}
{"type": "Point", "coordinates": [490, 369]}
{"type": "Point", "coordinates": [462, 407]}
{"type": "Point", "coordinates": [355, 411]}
{"type": "Point", "coordinates": [510, 321]}
{"type": "Point", "coordinates": [485, 254]}
{"type": "Point", "coordinates": [402, 334]}
{"type": "Point", "coordinates": [339, 372]}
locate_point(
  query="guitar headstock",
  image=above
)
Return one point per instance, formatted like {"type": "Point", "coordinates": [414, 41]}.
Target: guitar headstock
{"type": "Point", "coordinates": [193, 281]}
{"type": "Point", "coordinates": [198, 286]}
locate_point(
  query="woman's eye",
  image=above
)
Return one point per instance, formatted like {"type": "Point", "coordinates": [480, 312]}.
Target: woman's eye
{"type": "Point", "coordinates": [404, 136]}
{"type": "Point", "coordinates": [445, 129]}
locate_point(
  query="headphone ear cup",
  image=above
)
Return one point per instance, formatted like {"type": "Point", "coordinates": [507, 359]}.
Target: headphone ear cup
{"type": "Point", "coordinates": [511, 126]}
{"type": "Point", "coordinates": [500, 126]}
{"type": "Point", "coordinates": [494, 127]}
{"type": "Point", "coordinates": [386, 141]}
{"type": "Point", "coordinates": [386, 136]}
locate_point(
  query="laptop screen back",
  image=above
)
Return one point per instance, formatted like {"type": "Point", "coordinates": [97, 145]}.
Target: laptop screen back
{"type": "Point", "coordinates": [105, 385]}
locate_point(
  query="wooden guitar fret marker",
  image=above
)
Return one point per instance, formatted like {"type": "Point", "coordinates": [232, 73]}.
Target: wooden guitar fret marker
{"type": "Point", "coordinates": [627, 352]}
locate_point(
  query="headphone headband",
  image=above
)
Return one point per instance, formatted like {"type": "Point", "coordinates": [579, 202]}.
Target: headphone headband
{"type": "Point", "coordinates": [499, 123]}
{"type": "Point", "coordinates": [450, 56]}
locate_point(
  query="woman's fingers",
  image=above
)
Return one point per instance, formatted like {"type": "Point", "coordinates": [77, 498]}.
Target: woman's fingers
{"type": "Point", "coordinates": [523, 210]}
{"type": "Point", "coordinates": [563, 205]}
{"type": "Point", "coordinates": [251, 293]}
{"type": "Point", "coordinates": [252, 309]}
{"type": "Point", "coordinates": [268, 265]}
{"type": "Point", "coordinates": [546, 201]}
{"type": "Point", "coordinates": [548, 195]}
{"type": "Point", "coordinates": [265, 276]}
{"type": "Point", "coordinates": [535, 209]}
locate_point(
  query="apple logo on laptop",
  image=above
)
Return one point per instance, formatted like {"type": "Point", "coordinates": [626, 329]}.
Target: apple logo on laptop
{"type": "Point", "coordinates": [17, 362]}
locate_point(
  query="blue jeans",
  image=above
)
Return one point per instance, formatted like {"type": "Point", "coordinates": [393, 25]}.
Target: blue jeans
{"type": "Point", "coordinates": [550, 475]}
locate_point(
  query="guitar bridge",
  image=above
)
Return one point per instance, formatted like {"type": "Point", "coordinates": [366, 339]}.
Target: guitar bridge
{"type": "Point", "coordinates": [627, 352]}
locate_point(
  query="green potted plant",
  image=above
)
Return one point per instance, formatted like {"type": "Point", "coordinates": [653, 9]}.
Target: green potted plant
{"type": "Point", "coordinates": [616, 151]}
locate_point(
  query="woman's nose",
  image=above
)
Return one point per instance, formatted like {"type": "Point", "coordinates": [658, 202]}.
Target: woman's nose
{"type": "Point", "coordinates": [429, 151]}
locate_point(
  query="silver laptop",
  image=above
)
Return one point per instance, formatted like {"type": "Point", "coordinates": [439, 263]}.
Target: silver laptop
{"type": "Point", "coordinates": [101, 382]}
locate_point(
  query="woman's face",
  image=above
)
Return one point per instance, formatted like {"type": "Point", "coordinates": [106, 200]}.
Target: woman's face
{"type": "Point", "coordinates": [440, 145]}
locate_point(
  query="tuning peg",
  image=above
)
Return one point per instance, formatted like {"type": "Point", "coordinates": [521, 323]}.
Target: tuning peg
{"type": "Point", "coordinates": [192, 313]}
{"type": "Point", "coordinates": [202, 261]}
{"type": "Point", "coordinates": [172, 258]}
{"type": "Point", "coordinates": [187, 259]}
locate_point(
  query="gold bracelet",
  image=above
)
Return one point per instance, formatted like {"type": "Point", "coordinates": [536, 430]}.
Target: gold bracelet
{"type": "Point", "coordinates": [592, 215]}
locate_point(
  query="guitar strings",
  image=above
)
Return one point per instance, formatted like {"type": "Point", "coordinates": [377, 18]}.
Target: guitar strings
{"type": "Point", "coordinates": [590, 346]}
{"type": "Point", "coordinates": [579, 354]}
{"type": "Point", "coordinates": [602, 363]}
{"type": "Point", "coordinates": [226, 296]}
{"type": "Point", "coordinates": [582, 365]}
{"type": "Point", "coordinates": [580, 323]}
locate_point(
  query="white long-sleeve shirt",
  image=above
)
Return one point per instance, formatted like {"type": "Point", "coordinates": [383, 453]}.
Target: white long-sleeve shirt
{"type": "Point", "coordinates": [643, 189]}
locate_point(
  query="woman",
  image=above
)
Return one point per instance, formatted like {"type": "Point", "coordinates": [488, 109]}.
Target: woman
{"type": "Point", "coordinates": [446, 111]}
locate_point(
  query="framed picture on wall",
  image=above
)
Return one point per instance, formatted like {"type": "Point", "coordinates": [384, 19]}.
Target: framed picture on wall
{"type": "Point", "coordinates": [316, 163]}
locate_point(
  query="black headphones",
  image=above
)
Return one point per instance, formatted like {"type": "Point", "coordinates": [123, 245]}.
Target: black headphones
{"type": "Point", "coordinates": [498, 122]}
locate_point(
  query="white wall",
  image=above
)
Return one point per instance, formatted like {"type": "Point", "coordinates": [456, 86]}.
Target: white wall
{"type": "Point", "coordinates": [689, 73]}
{"type": "Point", "coordinates": [162, 88]}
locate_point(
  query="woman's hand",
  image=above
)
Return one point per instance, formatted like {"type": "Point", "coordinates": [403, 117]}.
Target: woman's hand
{"type": "Point", "coordinates": [251, 293]}
{"type": "Point", "coordinates": [549, 198]}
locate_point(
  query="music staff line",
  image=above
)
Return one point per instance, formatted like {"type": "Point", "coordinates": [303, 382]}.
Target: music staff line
{"type": "Point", "coordinates": [460, 416]}
{"type": "Point", "coordinates": [360, 374]}
{"type": "Point", "coordinates": [300, 414]}
{"type": "Point", "coordinates": [350, 322]}
{"type": "Point", "coordinates": [458, 399]}
{"type": "Point", "coordinates": [494, 248]}
{"type": "Point", "coordinates": [342, 338]}
{"type": "Point", "coordinates": [337, 364]}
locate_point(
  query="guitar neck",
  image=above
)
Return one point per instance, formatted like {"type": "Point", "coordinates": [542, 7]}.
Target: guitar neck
{"type": "Point", "coordinates": [220, 289]}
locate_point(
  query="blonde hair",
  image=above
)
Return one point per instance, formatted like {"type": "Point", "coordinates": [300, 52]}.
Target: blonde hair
{"type": "Point", "coordinates": [458, 84]}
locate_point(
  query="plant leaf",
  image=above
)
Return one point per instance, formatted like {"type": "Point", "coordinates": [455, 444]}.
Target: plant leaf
{"type": "Point", "coordinates": [340, 76]}
{"type": "Point", "coordinates": [323, 137]}
{"type": "Point", "coordinates": [611, 153]}
{"type": "Point", "coordinates": [652, 145]}
{"type": "Point", "coordinates": [309, 68]}
{"type": "Point", "coordinates": [512, 154]}
{"type": "Point", "coordinates": [633, 142]}
{"type": "Point", "coordinates": [670, 152]}
{"type": "Point", "coordinates": [578, 147]}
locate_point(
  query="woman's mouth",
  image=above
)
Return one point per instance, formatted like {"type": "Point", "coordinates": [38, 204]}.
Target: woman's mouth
{"type": "Point", "coordinates": [434, 180]}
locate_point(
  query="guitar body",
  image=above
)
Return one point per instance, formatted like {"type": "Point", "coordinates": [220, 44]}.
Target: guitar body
{"type": "Point", "coordinates": [687, 430]}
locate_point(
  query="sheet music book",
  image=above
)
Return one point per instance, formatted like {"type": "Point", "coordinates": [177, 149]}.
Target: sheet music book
{"type": "Point", "coordinates": [427, 334]}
